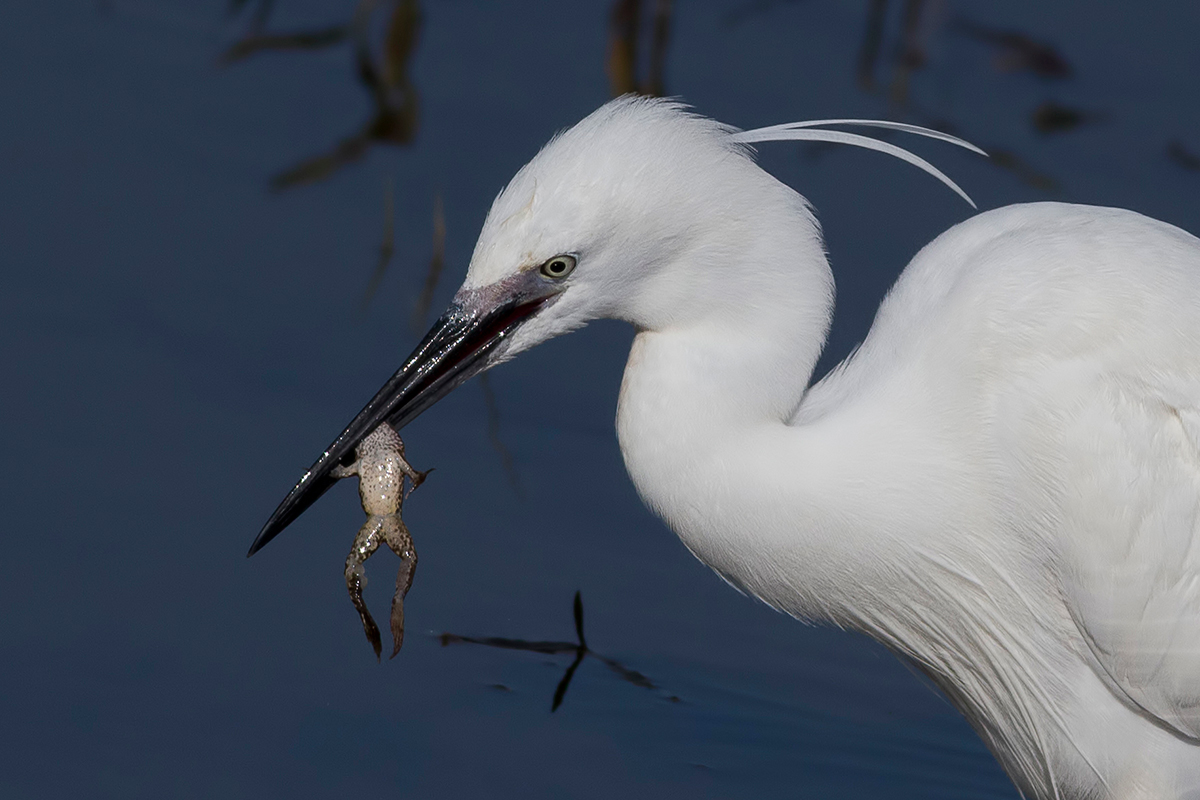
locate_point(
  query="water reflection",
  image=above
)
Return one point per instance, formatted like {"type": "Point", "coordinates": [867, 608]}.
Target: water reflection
{"type": "Point", "coordinates": [493, 432]}
{"type": "Point", "coordinates": [262, 10]}
{"type": "Point", "coordinates": [919, 23]}
{"type": "Point", "coordinates": [868, 50]}
{"type": "Point", "coordinates": [909, 49]}
{"type": "Point", "coordinates": [258, 41]}
{"type": "Point", "coordinates": [579, 649]}
{"type": "Point", "coordinates": [163, 330]}
{"type": "Point", "coordinates": [387, 244]}
{"type": "Point", "coordinates": [1025, 172]}
{"type": "Point", "coordinates": [385, 77]}
{"type": "Point", "coordinates": [915, 30]}
{"type": "Point", "coordinates": [752, 9]}
{"type": "Point", "coordinates": [1015, 51]}
{"type": "Point", "coordinates": [625, 27]}
{"type": "Point", "coordinates": [1052, 117]}
{"type": "Point", "coordinates": [437, 261]}
{"type": "Point", "coordinates": [1182, 156]}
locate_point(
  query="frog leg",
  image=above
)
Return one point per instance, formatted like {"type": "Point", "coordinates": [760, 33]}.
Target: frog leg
{"type": "Point", "coordinates": [365, 544]}
{"type": "Point", "coordinates": [416, 476]}
{"type": "Point", "coordinates": [400, 541]}
{"type": "Point", "coordinates": [344, 472]}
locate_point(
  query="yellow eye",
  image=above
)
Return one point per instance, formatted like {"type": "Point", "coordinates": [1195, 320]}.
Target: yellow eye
{"type": "Point", "coordinates": [559, 267]}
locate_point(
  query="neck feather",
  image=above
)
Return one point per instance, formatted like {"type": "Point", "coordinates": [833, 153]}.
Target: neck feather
{"type": "Point", "coordinates": [794, 514]}
{"type": "Point", "coordinates": [852, 515]}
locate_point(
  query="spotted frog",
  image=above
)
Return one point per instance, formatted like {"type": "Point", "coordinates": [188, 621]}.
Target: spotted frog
{"type": "Point", "coordinates": [381, 470]}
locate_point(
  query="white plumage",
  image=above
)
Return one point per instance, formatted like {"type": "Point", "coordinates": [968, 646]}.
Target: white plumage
{"type": "Point", "coordinates": [1001, 484]}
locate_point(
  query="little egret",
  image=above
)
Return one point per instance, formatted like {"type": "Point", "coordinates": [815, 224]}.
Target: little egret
{"type": "Point", "coordinates": [1002, 484]}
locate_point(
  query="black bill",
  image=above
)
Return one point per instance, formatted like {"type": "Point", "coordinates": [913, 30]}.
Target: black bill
{"type": "Point", "coordinates": [456, 348]}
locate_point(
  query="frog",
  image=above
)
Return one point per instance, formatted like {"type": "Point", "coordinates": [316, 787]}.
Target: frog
{"type": "Point", "coordinates": [381, 469]}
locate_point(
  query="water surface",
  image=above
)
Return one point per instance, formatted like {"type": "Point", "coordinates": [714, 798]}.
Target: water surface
{"type": "Point", "coordinates": [182, 340]}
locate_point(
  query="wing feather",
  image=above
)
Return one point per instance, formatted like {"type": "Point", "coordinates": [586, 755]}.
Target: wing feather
{"type": "Point", "coordinates": [1134, 548]}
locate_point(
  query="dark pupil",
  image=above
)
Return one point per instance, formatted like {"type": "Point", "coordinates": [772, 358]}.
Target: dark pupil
{"type": "Point", "coordinates": [557, 266]}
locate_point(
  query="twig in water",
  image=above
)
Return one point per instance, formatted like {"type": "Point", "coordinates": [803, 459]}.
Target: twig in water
{"type": "Point", "coordinates": [868, 53]}
{"type": "Point", "coordinates": [436, 261]}
{"type": "Point", "coordinates": [1182, 156]}
{"type": "Point", "coordinates": [387, 247]}
{"type": "Point", "coordinates": [493, 416]}
{"type": "Point", "coordinates": [579, 648]}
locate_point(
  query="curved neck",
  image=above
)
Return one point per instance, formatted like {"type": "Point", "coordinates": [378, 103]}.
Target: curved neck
{"type": "Point", "coordinates": [702, 398]}
{"type": "Point", "coordinates": [798, 515]}
{"type": "Point", "coordinates": [847, 503]}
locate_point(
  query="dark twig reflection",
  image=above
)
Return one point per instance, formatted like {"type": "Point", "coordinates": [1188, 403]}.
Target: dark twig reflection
{"type": "Point", "coordinates": [1182, 156]}
{"type": "Point", "coordinates": [910, 50]}
{"type": "Point", "coordinates": [387, 247]}
{"type": "Point", "coordinates": [918, 23]}
{"type": "Point", "coordinates": [1004, 158]}
{"type": "Point", "coordinates": [624, 50]}
{"type": "Point", "coordinates": [437, 260]}
{"type": "Point", "coordinates": [385, 77]}
{"type": "Point", "coordinates": [659, 36]}
{"type": "Point", "coordinates": [910, 55]}
{"type": "Point", "coordinates": [579, 649]}
{"type": "Point", "coordinates": [1017, 52]}
{"type": "Point", "coordinates": [752, 9]}
{"type": "Point", "coordinates": [257, 39]}
{"type": "Point", "coordinates": [301, 40]}
{"type": "Point", "coordinates": [1052, 117]}
{"type": "Point", "coordinates": [868, 52]}
{"type": "Point", "coordinates": [258, 20]}
{"type": "Point", "coordinates": [394, 95]}
{"type": "Point", "coordinates": [1025, 172]}
{"type": "Point", "coordinates": [493, 429]}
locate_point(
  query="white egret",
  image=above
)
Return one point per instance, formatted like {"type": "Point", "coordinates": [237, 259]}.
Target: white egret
{"type": "Point", "coordinates": [1002, 484]}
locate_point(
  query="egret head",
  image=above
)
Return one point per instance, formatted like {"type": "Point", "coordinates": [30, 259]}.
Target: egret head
{"type": "Point", "coordinates": [576, 235]}
{"type": "Point", "coordinates": [602, 218]}
{"type": "Point", "coordinates": [634, 213]}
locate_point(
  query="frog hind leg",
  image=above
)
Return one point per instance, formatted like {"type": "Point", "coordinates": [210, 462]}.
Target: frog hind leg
{"type": "Point", "coordinates": [398, 539]}
{"type": "Point", "coordinates": [365, 544]}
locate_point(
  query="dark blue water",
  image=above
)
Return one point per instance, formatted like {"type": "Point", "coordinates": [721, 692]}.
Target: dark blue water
{"type": "Point", "coordinates": [180, 342]}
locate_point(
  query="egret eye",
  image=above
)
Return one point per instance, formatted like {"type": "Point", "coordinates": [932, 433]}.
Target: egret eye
{"type": "Point", "coordinates": [559, 267]}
